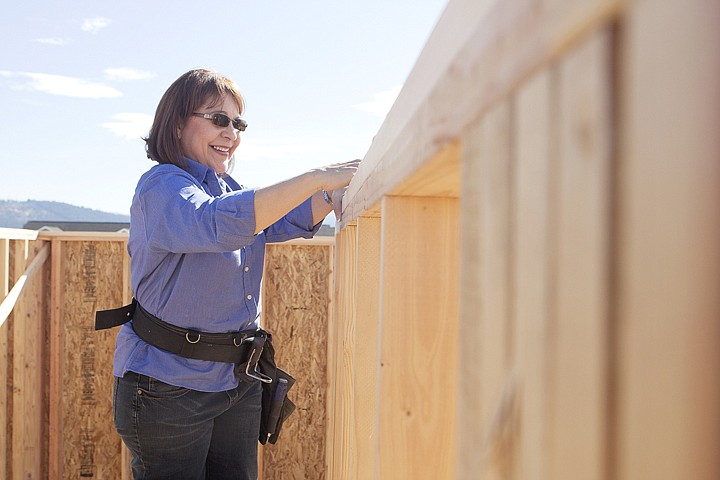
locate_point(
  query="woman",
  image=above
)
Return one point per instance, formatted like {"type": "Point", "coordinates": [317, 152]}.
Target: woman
{"type": "Point", "coordinates": [197, 242]}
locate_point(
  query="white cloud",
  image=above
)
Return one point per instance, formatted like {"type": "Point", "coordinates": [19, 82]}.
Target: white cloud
{"type": "Point", "coordinates": [94, 25]}
{"type": "Point", "coordinates": [53, 41]}
{"type": "Point", "coordinates": [127, 74]}
{"type": "Point", "coordinates": [62, 85]}
{"type": "Point", "coordinates": [381, 102]}
{"type": "Point", "coordinates": [130, 126]}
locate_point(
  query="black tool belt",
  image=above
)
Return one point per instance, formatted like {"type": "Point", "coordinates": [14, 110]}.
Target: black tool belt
{"type": "Point", "coordinates": [232, 347]}
{"type": "Point", "coordinates": [251, 350]}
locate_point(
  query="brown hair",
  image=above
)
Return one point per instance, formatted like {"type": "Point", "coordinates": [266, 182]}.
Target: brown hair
{"type": "Point", "coordinates": [192, 90]}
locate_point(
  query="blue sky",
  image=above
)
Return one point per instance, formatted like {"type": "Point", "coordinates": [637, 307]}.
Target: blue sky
{"type": "Point", "coordinates": [80, 80]}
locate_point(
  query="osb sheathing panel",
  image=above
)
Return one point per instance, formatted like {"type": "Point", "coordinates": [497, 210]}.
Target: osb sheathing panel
{"type": "Point", "coordinates": [92, 279]}
{"type": "Point", "coordinates": [296, 297]}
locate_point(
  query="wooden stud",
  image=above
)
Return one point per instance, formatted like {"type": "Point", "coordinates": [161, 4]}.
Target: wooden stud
{"type": "Point", "coordinates": [341, 331]}
{"type": "Point", "coordinates": [578, 345]}
{"type": "Point", "coordinates": [470, 343]}
{"type": "Point", "coordinates": [495, 315]}
{"type": "Point", "coordinates": [346, 330]}
{"type": "Point", "coordinates": [367, 355]}
{"type": "Point", "coordinates": [486, 342]}
{"type": "Point", "coordinates": [27, 389]}
{"type": "Point", "coordinates": [668, 281]}
{"type": "Point", "coordinates": [419, 316]}
{"type": "Point", "coordinates": [334, 363]}
{"type": "Point", "coordinates": [531, 216]}
{"type": "Point", "coordinates": [4, 367]}
{"type": "Point", "coordinates": [28, 369]}
{"type": "Point", "coordinates": [55, 450]}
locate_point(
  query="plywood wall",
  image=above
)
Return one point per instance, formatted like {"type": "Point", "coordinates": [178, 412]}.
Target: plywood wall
{"type": "Point", "coordinates": [56, 395]}
{"type": "Point", "coordinates": [91, 279]}
{"type": "Point", "coordinates": [296, 310]}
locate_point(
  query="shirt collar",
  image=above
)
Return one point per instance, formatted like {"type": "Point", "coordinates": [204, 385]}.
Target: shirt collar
{"type": "Point", "coordinates": [205, 175]}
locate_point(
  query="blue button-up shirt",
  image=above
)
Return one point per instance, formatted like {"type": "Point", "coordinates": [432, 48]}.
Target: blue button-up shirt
{"type": "Point", "coordinates": [195, 262]}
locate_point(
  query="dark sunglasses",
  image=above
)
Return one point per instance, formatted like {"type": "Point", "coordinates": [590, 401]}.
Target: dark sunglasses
{"type": "Point", "coordinates": [222, 120]}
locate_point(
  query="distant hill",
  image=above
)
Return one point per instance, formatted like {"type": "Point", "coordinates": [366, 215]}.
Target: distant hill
{"type": "Point", "coordinates": [14, 214]}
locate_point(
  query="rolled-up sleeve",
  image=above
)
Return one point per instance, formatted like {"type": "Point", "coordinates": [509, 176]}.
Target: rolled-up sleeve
{"type": "Point", "coordinates": [180, 217]}
{"type": "Point", "coordinates": [298, 223]}
{"type": "Point", "coordinates": [235, 217]}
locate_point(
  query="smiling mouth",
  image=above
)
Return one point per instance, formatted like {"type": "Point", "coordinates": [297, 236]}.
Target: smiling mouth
{"type": "Point", "coordinates": [224, 150]}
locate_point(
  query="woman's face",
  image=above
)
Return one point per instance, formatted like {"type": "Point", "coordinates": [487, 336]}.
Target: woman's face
{"type": "Point", "coordinates": [205, 142]}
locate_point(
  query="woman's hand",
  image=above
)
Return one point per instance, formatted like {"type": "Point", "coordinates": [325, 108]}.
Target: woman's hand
{"type": "Point", "coordinates": [337, 198]}
{"type": "Point", "coordinates": [273, 202]}
{"type": "Point", "coordinates": [336, 176]}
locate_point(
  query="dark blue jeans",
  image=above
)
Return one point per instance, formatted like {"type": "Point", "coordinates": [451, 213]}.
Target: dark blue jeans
{"type": "Point", "coordinates": [177, 433]}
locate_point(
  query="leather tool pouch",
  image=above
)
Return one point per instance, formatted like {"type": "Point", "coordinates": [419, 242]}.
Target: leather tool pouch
{"type": "Point", "coordinates": [276, 406]}
{"type": "Point", "coordinates": [271, 424]}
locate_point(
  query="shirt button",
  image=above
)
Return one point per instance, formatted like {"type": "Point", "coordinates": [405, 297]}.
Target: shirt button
{"type": "Point", "coordinates": [247, 269]}
{"type": "Point", "coordinates": [249, 297]}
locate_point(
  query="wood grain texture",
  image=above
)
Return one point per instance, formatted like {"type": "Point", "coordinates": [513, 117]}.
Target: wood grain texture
{"type": "Point", "coordinates": [419, 315]}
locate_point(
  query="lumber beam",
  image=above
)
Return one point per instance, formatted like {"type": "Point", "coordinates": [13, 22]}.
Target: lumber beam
{"type": "Point", "coordinates": [479, 53]}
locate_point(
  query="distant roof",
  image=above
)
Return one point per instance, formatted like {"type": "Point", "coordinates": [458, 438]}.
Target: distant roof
{"type": "Point", "coordinates": [326, 231]}
{"type": "Point", "coordinates": [76, 226]}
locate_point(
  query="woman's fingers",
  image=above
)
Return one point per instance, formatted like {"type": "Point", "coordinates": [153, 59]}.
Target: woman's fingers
{"type": "Point", "coordinates": [337, 198]}
{"type": "Point", "coordinates": [338, 175]}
